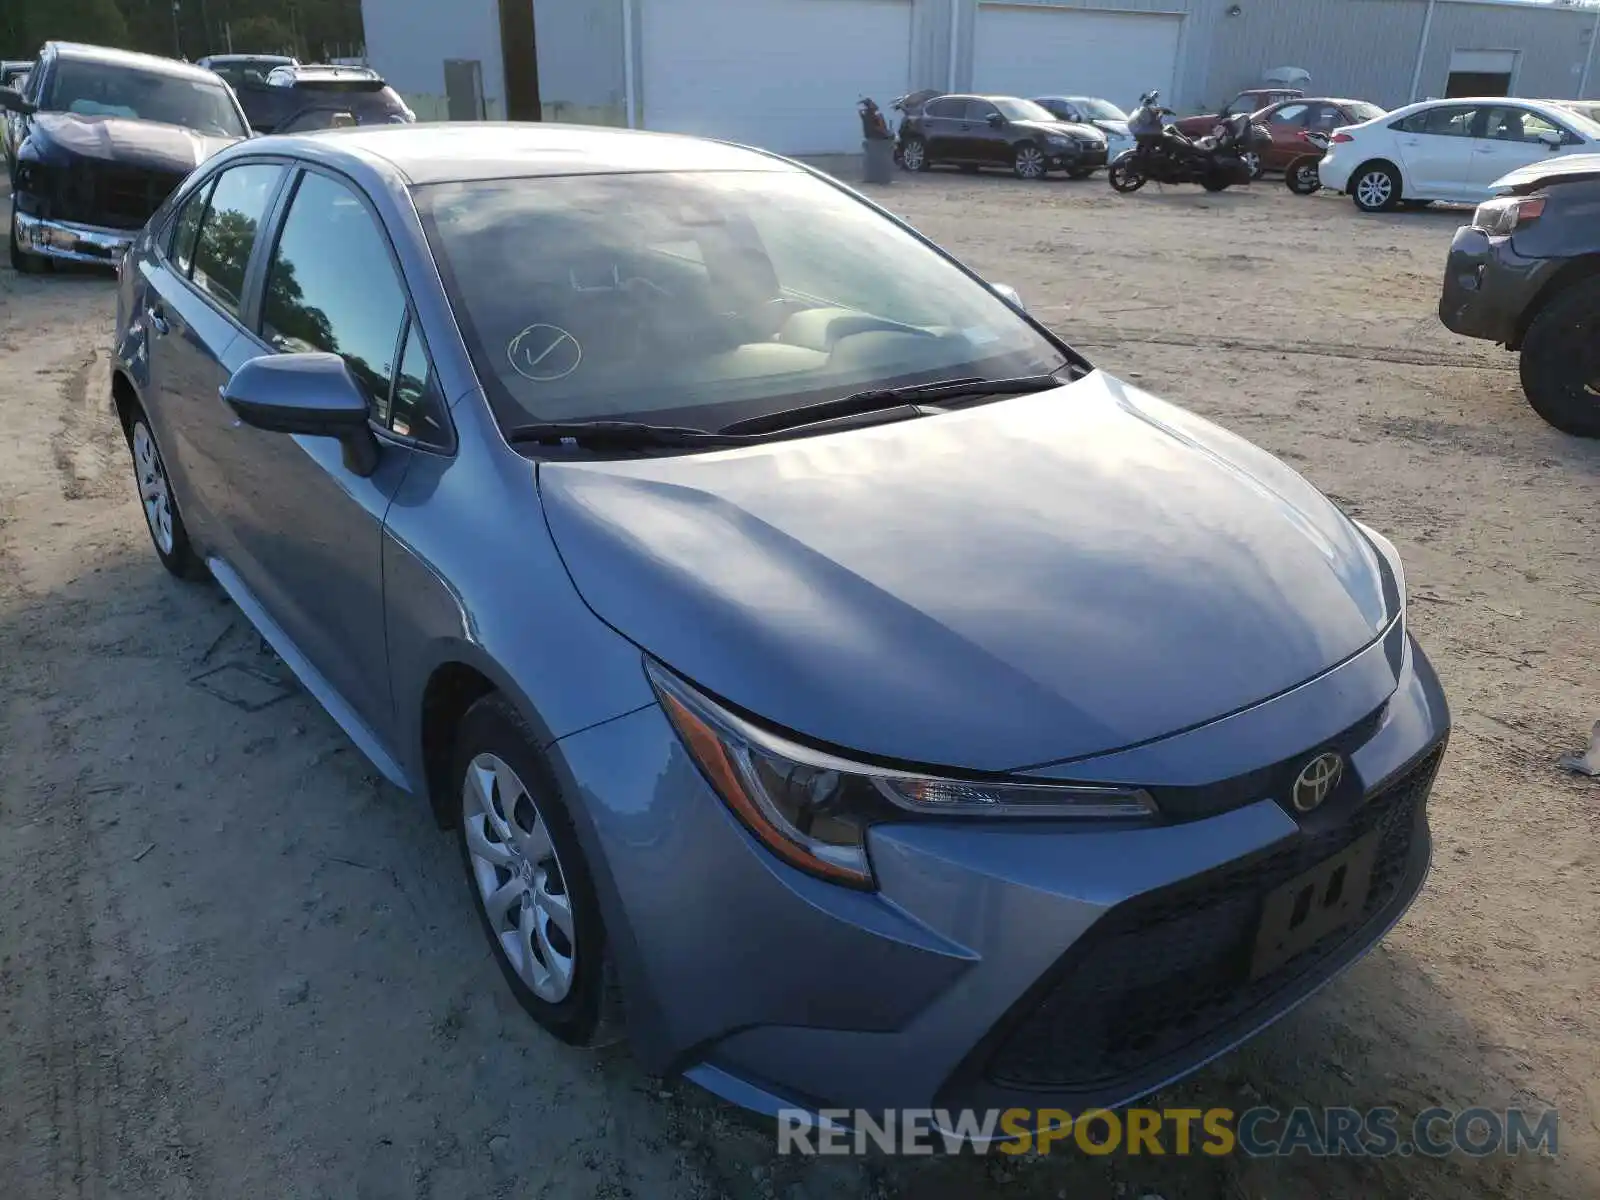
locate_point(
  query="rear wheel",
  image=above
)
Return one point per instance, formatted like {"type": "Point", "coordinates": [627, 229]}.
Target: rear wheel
{"type": "Point", "coordinates": [1376, 188]}
{"type": "Point", "coordinates": [1302, 178]}
{"type": "Point", "coordinates": [1124, 175]}
{"type": "Point", "coordinates": [1561, 360]}
{"type": "Point", "coordinates": [1252, 163]}
{"type": "Point", "coordinates": [914, 155]}
{"type": "Point", "coordinates": [1028, 162]}
{"type": "Point", "coordinates": [167, 531]}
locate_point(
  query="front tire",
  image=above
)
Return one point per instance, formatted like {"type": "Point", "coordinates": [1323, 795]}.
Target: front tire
{"type": "Point", "coordinates": [914, 155]}
{"type": "Point", "coordinates": [1376, 188]}
{"type": "Point", "coordinates": [1028, 162]}
{"type": "Point", "coordinates": [530, 881]}
{"type": "Point", "coordinates": [1252, 163]}
{"type": "Point", "coordinates": [1560, 368]}
{"type": "Point", "coordinates": [1124, 175]}
{"type": "Point", "coordinates": [167, 532]}
{"type": "Point", "coordinates": [22, 262]}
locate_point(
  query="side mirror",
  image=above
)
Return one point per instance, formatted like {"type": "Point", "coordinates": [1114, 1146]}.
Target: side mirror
{"type": "Point", "coordinates": [1009, 294]}
{"type": "Point", "coordinates": [996, 120]}
{"type": "Point", "coordinates": [12, 101]}
{"type": "Point", "coordinates": [1551, 138]}
{"type": "Point", "coordinates": [310, 394]}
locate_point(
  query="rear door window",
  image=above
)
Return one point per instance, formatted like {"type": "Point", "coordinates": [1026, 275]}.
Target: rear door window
{"type": "Point", "coordinates": [1451, 120]}
{"type": "Point", "coordinates": [228, 231]}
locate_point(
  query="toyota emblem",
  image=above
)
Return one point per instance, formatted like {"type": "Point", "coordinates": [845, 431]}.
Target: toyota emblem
{"type": "Point", "coordinates": [1316, 781]}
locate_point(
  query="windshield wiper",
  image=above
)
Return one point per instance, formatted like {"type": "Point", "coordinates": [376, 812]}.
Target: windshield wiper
{"type": "Point", "coordinates": [874, 399]}
{"type": "Point", "coordinates": [620, 435]}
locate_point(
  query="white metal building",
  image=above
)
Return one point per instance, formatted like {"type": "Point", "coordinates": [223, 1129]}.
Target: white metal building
{"type": "Point", "coordinates": [786, 74]}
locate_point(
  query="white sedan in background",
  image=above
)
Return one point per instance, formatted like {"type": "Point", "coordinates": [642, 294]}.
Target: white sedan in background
{"type": "Point", "coordinates": [1449, 149]}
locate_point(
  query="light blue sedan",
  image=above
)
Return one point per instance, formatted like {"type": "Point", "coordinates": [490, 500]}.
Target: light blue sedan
{"type": "Point", "coordinates": [832, 679]}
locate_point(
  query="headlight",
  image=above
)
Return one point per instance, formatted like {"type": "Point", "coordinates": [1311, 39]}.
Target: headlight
{"type": "Point", "coordinates": [812, 809]}
{"type": "Point", "coordinates": [1497, 217]}
{"type": "Point", "coordinates": [1058, 141]}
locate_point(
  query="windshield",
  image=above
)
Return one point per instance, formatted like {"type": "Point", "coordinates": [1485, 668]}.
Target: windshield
{"type": "Point", "coordinates": [704, 298]}
{"type": "Point", "coordinates": [103, 90]}
{"type": "Point", "coordinates": [1586, 120]}
{"type": "Point", "coordinates": [1021, 110]}
{"type": "Point", "coordinates": [1362, 111]}
{"type": "Point", "coordinates": [1100, 110]}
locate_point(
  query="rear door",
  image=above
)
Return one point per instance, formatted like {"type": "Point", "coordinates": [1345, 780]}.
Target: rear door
{"type": "Point", "coordinates": [1286, 123]}
{"type": "Point", "coordinates": [941, 121]}
{"type": "Point", "coordinates": [1436, 151]}
{"type": "Point", "coordinates": [194, 303]}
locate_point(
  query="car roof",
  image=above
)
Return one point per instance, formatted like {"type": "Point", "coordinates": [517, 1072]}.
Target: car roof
{"type": "Point", "coordinates": [105, 55]}
{"type": "Point", "coordinates": [447, 152]}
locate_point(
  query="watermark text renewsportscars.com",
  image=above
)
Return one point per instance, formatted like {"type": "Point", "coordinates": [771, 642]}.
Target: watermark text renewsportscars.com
{"type": "Point", "coordinates": [1260, 1132]}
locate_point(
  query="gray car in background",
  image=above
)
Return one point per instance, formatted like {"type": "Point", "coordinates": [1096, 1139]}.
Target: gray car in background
{"type": "Point", "coordinates": [830, 676]}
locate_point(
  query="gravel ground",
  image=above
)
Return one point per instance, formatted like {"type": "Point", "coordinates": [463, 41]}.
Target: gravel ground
{"type": "Point", "coordinates": [233, 963]}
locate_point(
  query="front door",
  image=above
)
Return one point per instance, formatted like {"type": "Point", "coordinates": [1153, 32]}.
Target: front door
{"type": "Point", "coordinates": [309, 529]}
{"type": "Point", "coordinates": [982, 142]}
{"type": "Point", "coordinates": [941, 124]}
{"type": "Point", "coordinates": [1436, 152]}
{"type": "Point", "coordinates": [1510, 137]}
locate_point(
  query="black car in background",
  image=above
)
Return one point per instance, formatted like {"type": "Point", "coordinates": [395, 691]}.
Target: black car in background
{"type": "Point", "coordinates": [1526, 273]}
{"type": "Point", "coordinates": [11, 70]}
{"type": "Point", "coordinates": [297, 97]}
{"type": "Point", "coordinates": [247, 76]}
{"type": "Point", "coordinates": [97, 139]}
{"type": "Point", "coordinates": [973, 132]}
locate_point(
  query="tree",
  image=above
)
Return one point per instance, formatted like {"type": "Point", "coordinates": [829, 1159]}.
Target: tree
{"type": "Point", "coordinates": [97, 21]}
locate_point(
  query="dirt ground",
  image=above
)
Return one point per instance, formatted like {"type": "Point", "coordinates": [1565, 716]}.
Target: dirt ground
{"type": "Point", "coordinates": [235, 964]}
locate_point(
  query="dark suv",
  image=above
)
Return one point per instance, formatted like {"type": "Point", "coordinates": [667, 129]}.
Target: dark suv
{"type": "Point", "coordinates": [998, 131]}
{"type": "Point", "coordinates": [1526, 273]}
{"type": "Point", "coordinates": [296, 98]}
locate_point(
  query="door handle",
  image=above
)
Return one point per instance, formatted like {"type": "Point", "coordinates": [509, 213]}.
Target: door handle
{"type": "Point", "coordinates": [157, 319]}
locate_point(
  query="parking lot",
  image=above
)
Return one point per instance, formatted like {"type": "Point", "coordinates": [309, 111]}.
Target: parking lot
{"type": "Point", "coordinates": [233, 963]}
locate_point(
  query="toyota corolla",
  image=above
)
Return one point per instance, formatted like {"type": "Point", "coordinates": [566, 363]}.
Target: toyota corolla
{"type": "Point", "coordinates": [832, 679]}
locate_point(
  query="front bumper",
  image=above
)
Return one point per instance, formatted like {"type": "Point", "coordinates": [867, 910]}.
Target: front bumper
{"type": "Point", "coordinates": [71, 242]}
{"type": "Point", "coordinates": [1001, 964]}
{"type": "Point", "coordinates": [1078, 157]}
{"type": "Point", "coordinates": [1488, 286]}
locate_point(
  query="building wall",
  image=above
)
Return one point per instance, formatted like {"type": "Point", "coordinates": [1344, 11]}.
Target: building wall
{"type": "Point", "coordinates": [1553, 46]}
{"type": "Point", "coordinates": [1359, 48]}
{"type": "Point", "coordinates": [408, 41]}
{"type": "Point", "coordinates": [1367, 49]}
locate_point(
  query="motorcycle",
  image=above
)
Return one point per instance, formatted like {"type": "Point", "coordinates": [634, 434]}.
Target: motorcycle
{"type": "Point", "coordinates": [1300, 176]}
{"type": "Point", "coordinates": [1164, 154]}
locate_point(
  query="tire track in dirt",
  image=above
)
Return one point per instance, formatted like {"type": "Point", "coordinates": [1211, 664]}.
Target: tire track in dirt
{"type": "Point", "coordinates": [86, 447]}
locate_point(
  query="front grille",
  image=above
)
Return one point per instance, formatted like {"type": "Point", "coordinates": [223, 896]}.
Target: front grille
{"type": "Point", "coordinates": [1171, 968]}
{"type": "Point", "coordinates": [111, 196]}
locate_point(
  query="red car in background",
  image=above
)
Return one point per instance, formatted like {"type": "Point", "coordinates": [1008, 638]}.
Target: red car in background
{"type": "Point", "coordinates": [1286, 119]}
{"type": "Point", "coordinates": [1248, 101]}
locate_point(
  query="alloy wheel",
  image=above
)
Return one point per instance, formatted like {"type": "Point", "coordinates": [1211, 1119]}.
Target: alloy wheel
{"type": "Point", "coordinates": [912, 156]}
{"type": "Point", "coordinates": [519, 878]}
{"type": "Point", "coordinates": [1252, 162]}
{"type": "Point", "coordinates": [1375, 189]}
{"type": "Point", "coordinates": [155, 495]}
{"type": "Point", "coordinates": [1030, 162]}
{"type": "Point", "coordinates": [1305, 178]}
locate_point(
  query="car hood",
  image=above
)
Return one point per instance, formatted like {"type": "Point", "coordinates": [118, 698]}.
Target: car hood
{"type": "Point", "coordinates": [1116, 128]}
{"type": "Point", "coordinates": [1068, 128]}
{"type": "Point", "coordinates": [1032, 580]}
{"type": "Point", "coordinates": [148, 144]}
{"type": "Point", "coordinates": [1568, 167]}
